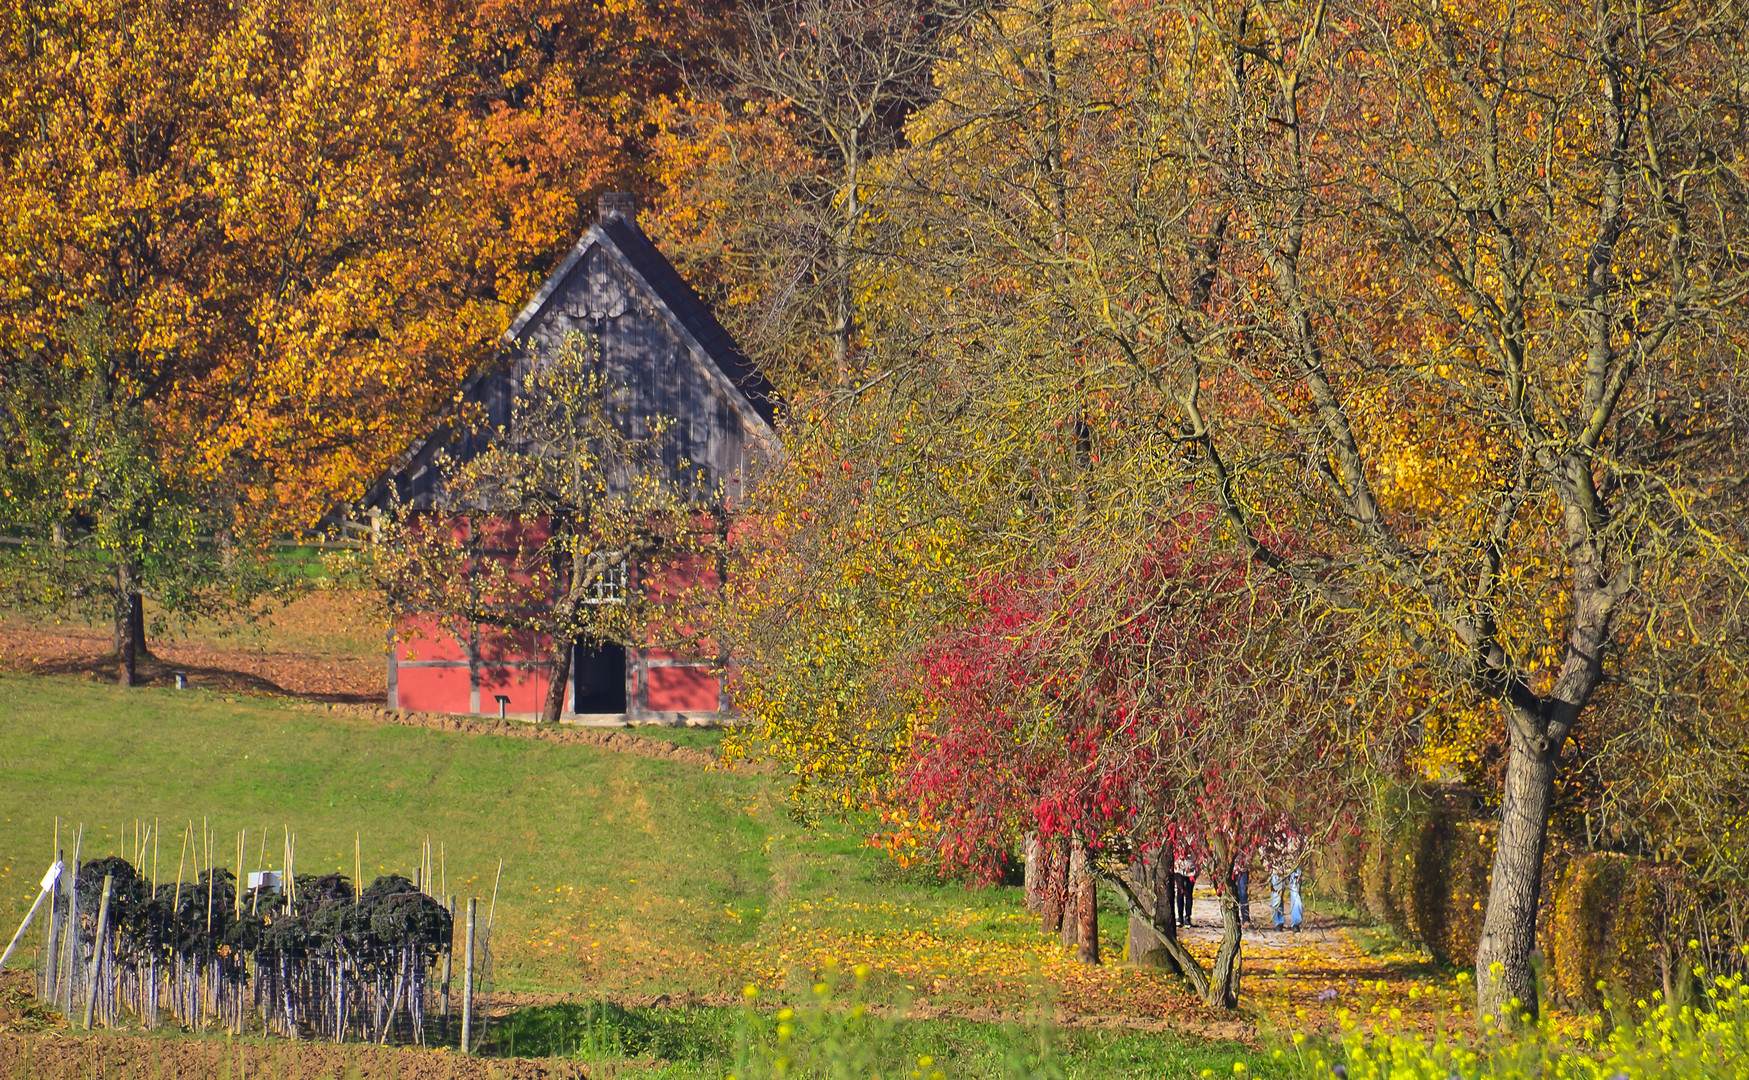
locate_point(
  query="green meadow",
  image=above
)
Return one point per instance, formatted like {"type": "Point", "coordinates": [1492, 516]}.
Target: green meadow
{"type": "Point", "coordinates": [624, 878]}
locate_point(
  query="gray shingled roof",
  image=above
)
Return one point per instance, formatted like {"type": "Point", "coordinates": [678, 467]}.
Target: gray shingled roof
{"type": "Point", "coordinates": [683, 304]}
{"type": "Point", "coordinates": [679, 303]}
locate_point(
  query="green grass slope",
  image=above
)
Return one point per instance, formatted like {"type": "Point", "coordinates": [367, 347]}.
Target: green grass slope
{"type": "Point", "coordinates": [622, 875]}
{"type": "Point", "coordinates": [577, 829]}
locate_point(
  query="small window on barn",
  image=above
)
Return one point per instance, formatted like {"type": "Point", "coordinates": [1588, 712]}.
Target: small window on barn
{"type": "Point", "coordinates": [609, 584]}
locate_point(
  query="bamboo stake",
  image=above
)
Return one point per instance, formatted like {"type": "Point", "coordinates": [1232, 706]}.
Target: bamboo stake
{"type": "Point", "coordinates": [493, 913]}
{"type": "Point", "coordinates": [51, 957]}
{"type": "Point", "coordinates": [97, 948]}
{"type": "Point", "coordinates": [52, 948]}
{"type": "Point", "coordinates": [242, 837]}
{"type": "Point", "coordinates": [468, 981]}
{"type": "Point", "coordinates": [448, 956]}
{"type": "Point", "coordinates": [156, 829]}
{"type": "Point", "coordinates": [176, 904]}
{"type": "Point", "coordinates": [395, 1005]}
{"type": "Point", "coordinates": [69, 934]}
{"type": "Point", "coordinates": [357, 871]}
{"type": "Point", "coordinates": [209, 875]}
{"type": "Point", "coordinates": [260, 864]}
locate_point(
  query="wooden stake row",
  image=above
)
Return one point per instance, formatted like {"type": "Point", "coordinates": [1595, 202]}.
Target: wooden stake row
{"type": "Point", "coordinates": [251, 971]}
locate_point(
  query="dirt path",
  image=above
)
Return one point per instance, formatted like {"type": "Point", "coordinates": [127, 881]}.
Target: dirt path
{"type": "Point", "coordinates": [617, 741]}
{"type": "Point", "coordinates": [1322, 968]}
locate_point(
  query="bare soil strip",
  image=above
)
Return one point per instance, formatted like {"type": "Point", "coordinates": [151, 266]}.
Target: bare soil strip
{"type": "Point", "coordinates": [617, 741]}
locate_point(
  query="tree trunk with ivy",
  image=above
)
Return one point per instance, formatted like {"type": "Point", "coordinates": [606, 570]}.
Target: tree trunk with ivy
{"type": "Point", "coordinates": [1056, 880]}
{"type": "Point", "coordinates": [1085, 900]}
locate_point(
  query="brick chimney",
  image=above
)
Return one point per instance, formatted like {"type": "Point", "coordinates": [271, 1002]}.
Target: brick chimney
{"type": "Point", "coordinates": [617, 206]}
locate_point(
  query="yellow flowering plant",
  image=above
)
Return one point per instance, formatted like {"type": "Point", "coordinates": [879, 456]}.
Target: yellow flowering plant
{"type": "Point", "coordinates": [1641, 1041]}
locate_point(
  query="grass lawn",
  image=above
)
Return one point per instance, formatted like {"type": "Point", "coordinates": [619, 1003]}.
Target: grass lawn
{"type": "Point", "coordinates": [623, 875]}
{"type": "Point", "coordinates": [699, 1041]}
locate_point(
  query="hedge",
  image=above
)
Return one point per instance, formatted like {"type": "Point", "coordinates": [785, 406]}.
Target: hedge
{"type": "Point", "coordinates": [1421, 865]}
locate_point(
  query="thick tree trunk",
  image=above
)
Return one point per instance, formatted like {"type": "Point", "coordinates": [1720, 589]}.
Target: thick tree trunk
{"type": "Point", "coordinates": [1167, 930]}
{"type": "Point", "coordinates": [1154, 922]}
{"type": "Point", "coordinates": [560, 684]}
{"type": "Point", "coordinates": [1223, 982]}
{"type": "Point", "coordinates": [1086, 907]}
{"type": "Point", "coordinates": [1537, 729]}
{"type": "Point", "coordinates": [1034, 891]}
{"type": "Point", "coordinates": [1142, 942]}
{"type": "Point", "coordinates": [132, 621]}
{"type": "Point", "coordinates": [1503, 971]}
{"type": "Point", "coordinates": [1077, 870]}
{"type": "Point", "coordinates": [127, 644]}
{"type": "Point", "coordinates": [1056, 882]}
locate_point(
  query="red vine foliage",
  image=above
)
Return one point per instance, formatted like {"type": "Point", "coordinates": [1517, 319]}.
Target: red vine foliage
{"type": "Point", "coordinates": [1168, 701]}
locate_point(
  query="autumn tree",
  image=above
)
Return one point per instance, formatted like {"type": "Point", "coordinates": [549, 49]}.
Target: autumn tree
{"type": "Point", "coordinates": [1451, 297]}
{"type": "Point", "coordinates": [557, 526]}
{"type": "Point", "coordinates": [565, 100]}
{"type": "Point", "coordinates": [1137, 715]}
{"type": "Point", "coordinates": [896, 489]}
{"type": "Point", "coordinates": [966, 450]}
{"type": "Point", "coordinates": [1534, 283]}
{"type": "Point", "coordinates": [94, 522]}
{"type": "Point", "coordinates": [737, 209]}
{"type": "Point", "coordinates": [771, 157]}
{"type": "Point", "coordinates": [247, 207]}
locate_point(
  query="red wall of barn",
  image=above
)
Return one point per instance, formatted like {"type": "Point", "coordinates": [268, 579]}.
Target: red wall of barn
{"type": "Point", "coordinates": [431, 668]}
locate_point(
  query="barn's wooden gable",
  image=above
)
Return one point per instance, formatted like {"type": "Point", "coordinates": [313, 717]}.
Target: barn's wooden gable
{"type": "Point", "coordinates": [658, 342]}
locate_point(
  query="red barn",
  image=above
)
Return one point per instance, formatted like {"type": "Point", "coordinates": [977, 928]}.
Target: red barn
{"type": "Point", "coordinates": [658, 340]}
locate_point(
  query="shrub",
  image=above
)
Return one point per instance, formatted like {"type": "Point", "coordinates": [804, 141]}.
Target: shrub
{"type": "Point", "coordinates": [1421, 868]}
{"type": "Point", "coordinates": [1580, 932]}
{"type": "Point", "coordinates": [1451, 886]}
{"type": "Point", "coordinates": [1398, 836]}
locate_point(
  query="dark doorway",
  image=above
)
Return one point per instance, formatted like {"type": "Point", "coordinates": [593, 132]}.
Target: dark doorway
{"type": "Point", "coordinates": [599, 677]}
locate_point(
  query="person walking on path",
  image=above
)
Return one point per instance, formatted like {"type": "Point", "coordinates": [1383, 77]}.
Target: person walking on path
{"type": "Point", "coordinates": [1184, 880]}
{"type": "Point", "coordinates": [1281, 856]}
{"type": "Point", "coordinates": [1242, 891]}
